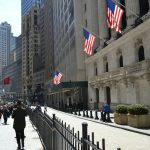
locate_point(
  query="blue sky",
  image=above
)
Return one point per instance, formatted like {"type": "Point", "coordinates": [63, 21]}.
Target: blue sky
{"type": "Point", "coordinates": [10, 11]}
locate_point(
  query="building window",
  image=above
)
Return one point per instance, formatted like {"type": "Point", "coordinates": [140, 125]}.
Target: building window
{"type": "Point", "coordinates": [106, 67]}
{"type": "Point", "coordinates": [144, 7]}
{"type": "Point", "coordinates": [86, 23]}
{"type": "Point", "coordinates": [141, 53]}
{"type": "Point", "coordinates": [105, 64]}
{"type": "Point", "coordinates": [35, 19]}
{"type": "Point", "coordinates": [108, 95]}
{"type": "Point", "coordinates": [97, 95]}
{"type": "Point", "coordinates": [84, 7]}
{"type": "Point", "coordinates": [121, 61]}
{"type": "Point", "coordinates": [95, 69]}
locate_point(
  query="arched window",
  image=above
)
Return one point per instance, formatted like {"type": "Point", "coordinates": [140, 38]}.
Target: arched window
{"type": "Point", "coordinates": [144, 7]}
{"type": "Point", "coordinates": [107, 67]}
{"type": "Point", "coordinates": [109, 33]}
{"type": "Point", "coordinates": [121, 61]}
{"type": "Point", "coordinates": [95, 69]}
{"type": "Point", "coordinates": [141, 53]}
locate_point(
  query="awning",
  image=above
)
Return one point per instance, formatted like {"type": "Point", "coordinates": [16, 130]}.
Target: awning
{"type": "Point", "coordinates": [67, 86]}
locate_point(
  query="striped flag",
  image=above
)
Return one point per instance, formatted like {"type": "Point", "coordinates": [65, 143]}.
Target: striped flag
{"type": "Point", "coordinates": [114, 15]}
{"type": "Point", "coordinates": [57, 77]}
{"type": "Point", "coordinates": [89, 42]}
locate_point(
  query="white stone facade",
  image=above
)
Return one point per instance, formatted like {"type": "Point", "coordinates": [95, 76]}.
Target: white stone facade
{"type": "Point", "coordinates": [120, 71]}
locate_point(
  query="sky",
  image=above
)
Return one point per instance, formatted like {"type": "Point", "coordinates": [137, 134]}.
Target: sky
{"type": "Point", "coordinates": [10, 11]}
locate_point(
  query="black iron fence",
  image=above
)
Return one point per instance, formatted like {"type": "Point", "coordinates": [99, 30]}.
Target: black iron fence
{"type": "Point", "coordinates": [57, 135]}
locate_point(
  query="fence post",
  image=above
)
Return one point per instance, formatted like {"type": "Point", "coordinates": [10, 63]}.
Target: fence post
{"type": "Point", "coordinates": [83, 113]}
{"type": "Point", "coordinates": [103, 144]}
{"type": "Point", "coordinates": [84, 136]}
{"type": "Point", "coordinates": [53, 134]}
{"type": "Point", "coordinates": [96, 116]}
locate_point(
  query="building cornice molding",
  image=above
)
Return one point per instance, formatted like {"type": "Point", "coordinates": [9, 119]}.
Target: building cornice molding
{"type": "Point", "coordinates": [134, 33]}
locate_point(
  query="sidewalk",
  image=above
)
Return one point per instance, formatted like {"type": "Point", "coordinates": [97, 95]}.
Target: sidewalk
{"type": "Point", "coordinates": [116, 136]}
{"type": "Point", "coordinates": [143, 131]}
{"type": "Point", "coordinates": [8, 140]}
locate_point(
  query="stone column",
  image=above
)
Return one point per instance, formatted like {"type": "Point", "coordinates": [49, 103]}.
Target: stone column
{"type": "Point", "coordinates": [102, 18]}
{"type": "Point", "coordinates": [132, 11]}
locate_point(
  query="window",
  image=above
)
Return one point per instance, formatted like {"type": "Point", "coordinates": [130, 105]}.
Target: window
{"type": "Point", "coordinates": [121, 61]}
{"type": "Point", "coordinates": [85, 8]}
{"type": "Point", "coordinates": [144, 7]}
{"type": "Point", "coordinates": [141, 53]}
{"type": "Point", "coordinates": [97, 95]}
{"type": "Point", "coordinates": [95, 69]}
{"type": "Point", "coordinates": [106, 67]}
{"type": "Point", "coordinates": [35, 19]}
{"type": "Point", "coordinates": [86, 23]}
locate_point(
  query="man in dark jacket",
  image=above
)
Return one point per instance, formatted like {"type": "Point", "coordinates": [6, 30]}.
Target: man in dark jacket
{"type": "Point", "coordinates": [19, 124]}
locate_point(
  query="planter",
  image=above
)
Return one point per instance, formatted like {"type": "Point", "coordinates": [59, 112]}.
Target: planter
{"type": "Point", "coordinates": [139, 121]}
{"type": "Point", "coordinates": [121, 118]}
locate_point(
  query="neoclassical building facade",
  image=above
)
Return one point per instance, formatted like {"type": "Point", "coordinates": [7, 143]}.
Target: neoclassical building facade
{"type": "Point", "coordinates": [119, 71]}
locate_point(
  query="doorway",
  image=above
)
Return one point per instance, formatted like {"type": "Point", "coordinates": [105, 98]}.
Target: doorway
{"type": "Point", "coordinates": [108, 95]}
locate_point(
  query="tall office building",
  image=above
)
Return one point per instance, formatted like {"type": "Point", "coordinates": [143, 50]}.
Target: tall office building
{"type": "Point", "coordinates": [26, 5]}
{"type": "Point", "coordinates": [13, 70]}
{"type": "Point", "coordinates": [5, 36]}
{"type": "Point", "coordinates": [30, 48]}
{"type": "Point", "coordinates": [32, 75]}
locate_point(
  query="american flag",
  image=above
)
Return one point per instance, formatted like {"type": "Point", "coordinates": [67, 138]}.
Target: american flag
{"type": "Point", "coordinates": [89, 42]}
{"type": "Point", "coordinates": [114, 15]}
{"type": "Point", "coordinates": [57, 77]}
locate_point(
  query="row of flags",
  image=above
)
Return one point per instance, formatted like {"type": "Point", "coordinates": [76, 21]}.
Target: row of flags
{"type": "Point", "coordinates": [114, 17]}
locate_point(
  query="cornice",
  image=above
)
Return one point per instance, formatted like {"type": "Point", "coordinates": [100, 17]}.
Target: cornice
{"type": "Point", "coordinates": [127, 37]}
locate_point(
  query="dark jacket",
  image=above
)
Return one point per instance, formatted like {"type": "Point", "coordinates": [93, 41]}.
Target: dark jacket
{"type": "Point", "coordinates": [19, 115]}
{"type": "Point", "coordinates": [6, 113]}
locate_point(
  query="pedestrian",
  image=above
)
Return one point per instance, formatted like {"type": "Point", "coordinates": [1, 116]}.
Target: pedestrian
{"type": "Point", "coordinates": [1, 112]}
{"type": "Point", "coordinates": [6, 114]}
{"type": "Point", "coordinates": [45, 108]}
{"type": "Point", "coordinates": [19, 124]}
{"type": "Point", "coordinates": [105, 113]}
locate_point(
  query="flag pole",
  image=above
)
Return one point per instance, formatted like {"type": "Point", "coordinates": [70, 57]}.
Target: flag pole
{"type": "Point", "coordinates": [92, 32]}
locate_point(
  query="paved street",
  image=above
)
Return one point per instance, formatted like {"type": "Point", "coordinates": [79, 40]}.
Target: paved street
{"type": "Point", "coordinates": [8, 140]}
{"type": "Point", "coordinates": [127, 138]}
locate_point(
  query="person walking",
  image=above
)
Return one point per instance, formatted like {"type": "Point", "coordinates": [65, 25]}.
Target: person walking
{"type": "Point", "coordinates": [1, 112]}
{"type": "Point", "coordinates": [19, 124]}
{"type": "Point", "coordinates": [6, 114]}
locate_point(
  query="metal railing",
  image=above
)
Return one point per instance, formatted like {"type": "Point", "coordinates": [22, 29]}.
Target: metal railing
{"type": "Point", "coordinates": [57, 135]}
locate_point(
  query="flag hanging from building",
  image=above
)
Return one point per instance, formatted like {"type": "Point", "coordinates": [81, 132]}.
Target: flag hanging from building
{"type": "Point", "coordinates": [57, 77]}
{"type": "Point", "coordinates": [114, 15]}
{"type": "Point", "coordinates": [6, 80]}
{"type": "Point", "coordinates": [89, 42]}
